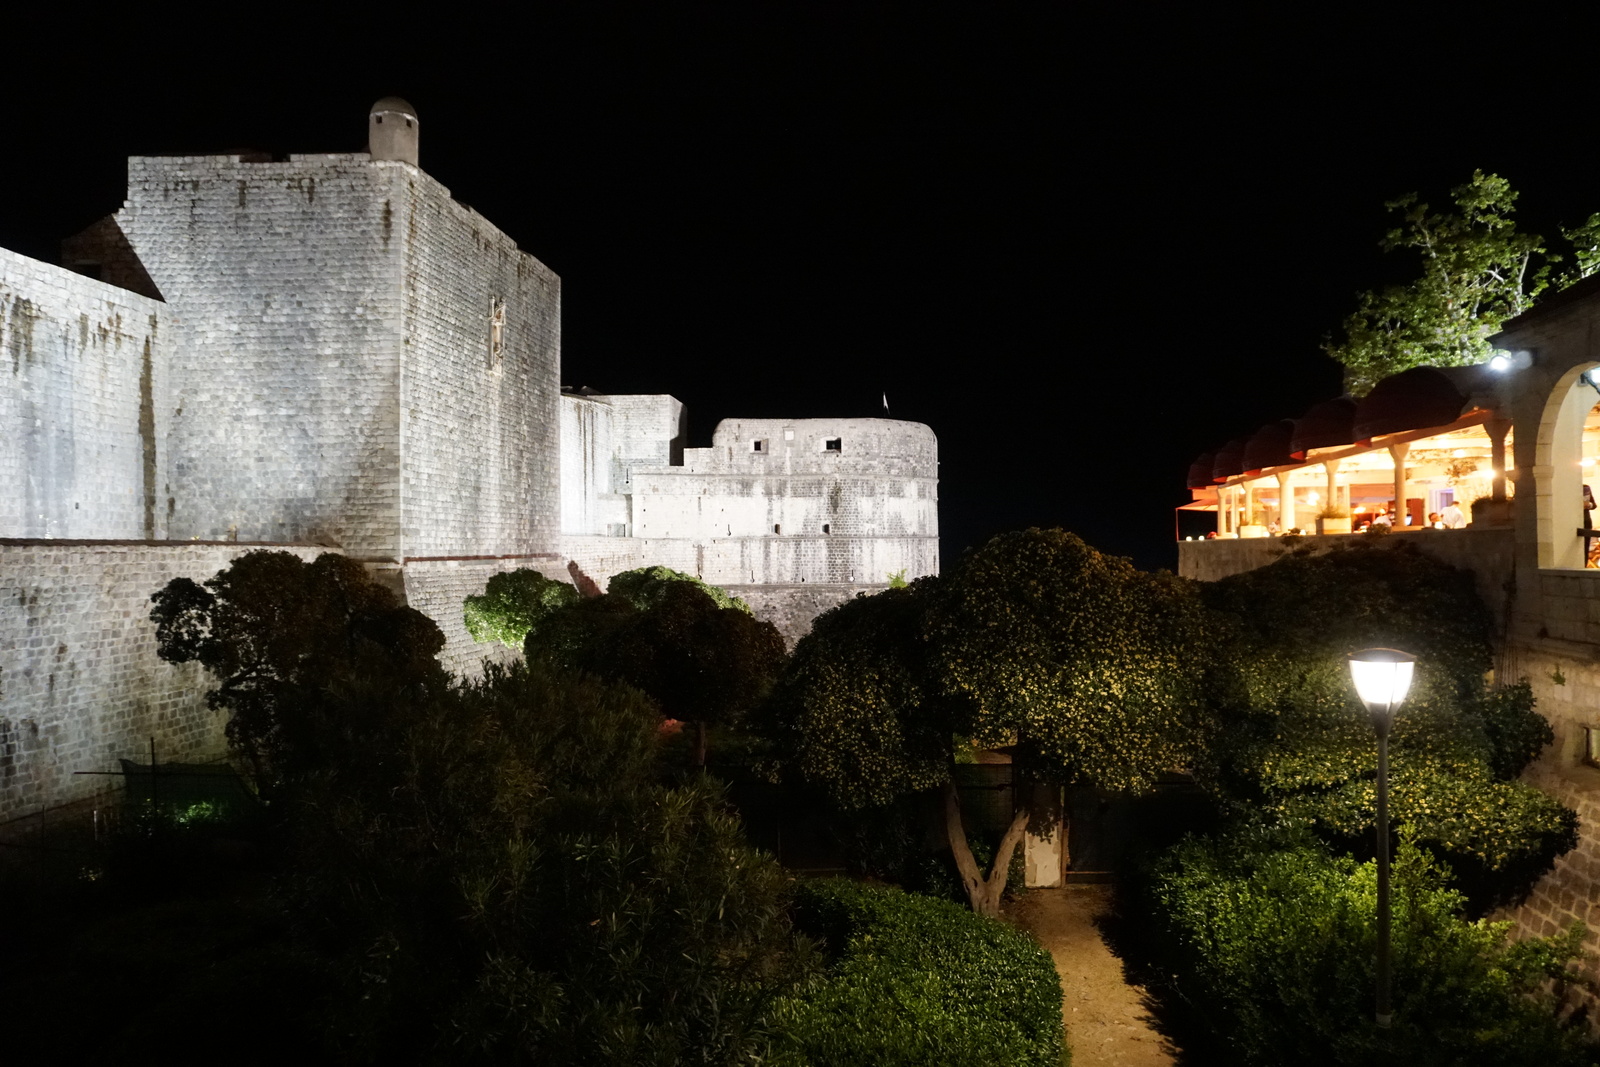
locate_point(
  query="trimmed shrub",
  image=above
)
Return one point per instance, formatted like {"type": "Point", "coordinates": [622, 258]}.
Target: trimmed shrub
{"type": "Point", "coordinates": [1291, 745]}
{"type": "Point", "coordinates": [1271, 940]}
{"type": "Point", "coordinates": [513, 603]}
{"type": "Point", "coordinates": [914, 980]}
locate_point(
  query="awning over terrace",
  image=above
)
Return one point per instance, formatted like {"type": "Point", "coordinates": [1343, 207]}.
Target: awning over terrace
{"type": "Point", "coordinates": [1421, 442]}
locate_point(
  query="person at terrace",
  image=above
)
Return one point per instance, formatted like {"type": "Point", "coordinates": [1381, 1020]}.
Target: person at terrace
{"type": "Point", "coordinates": [1452, 516]}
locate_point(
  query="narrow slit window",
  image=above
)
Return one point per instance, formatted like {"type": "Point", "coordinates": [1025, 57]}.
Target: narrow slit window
{"type": "Point", "coordinates": [825, 528]}
{"type": "Point", "coordinates": [776, 528]}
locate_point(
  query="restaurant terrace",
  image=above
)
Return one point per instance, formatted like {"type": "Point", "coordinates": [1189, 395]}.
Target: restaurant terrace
{"type": "Point", "coordinates": [1422, 443]}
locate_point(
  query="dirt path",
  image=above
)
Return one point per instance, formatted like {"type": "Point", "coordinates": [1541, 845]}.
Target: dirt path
{"type": "Point", "coordinates": [1107, 1023]}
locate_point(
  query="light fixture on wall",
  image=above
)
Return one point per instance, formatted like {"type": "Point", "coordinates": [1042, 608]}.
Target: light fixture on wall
{"type": "Point", "coordinates": [1505, 360]}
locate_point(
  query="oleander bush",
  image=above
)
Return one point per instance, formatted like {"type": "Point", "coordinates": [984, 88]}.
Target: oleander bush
{"type": "Point", "coordinates": [915, 980]}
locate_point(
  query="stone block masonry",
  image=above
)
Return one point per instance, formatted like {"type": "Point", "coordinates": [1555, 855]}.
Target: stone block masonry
{"type": "Point", "coordinates": [439, 590]}
{"type": "Point", "coordinates": [83, 404]}
{"type": "Point", "coordinates": [480, 418]}
{"type": "Point", "coordinates": [80, 682]}
{"type": "Point", "coordinates": [284, 411]}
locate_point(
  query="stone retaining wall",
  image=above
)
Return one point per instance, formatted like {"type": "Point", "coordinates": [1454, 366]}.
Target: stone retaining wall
{"type": "Point", "coordinates": [80, 682]}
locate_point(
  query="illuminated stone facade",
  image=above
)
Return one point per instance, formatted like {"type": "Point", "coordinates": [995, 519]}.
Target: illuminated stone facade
{"type": "Point", "coordinates": [328, 351]}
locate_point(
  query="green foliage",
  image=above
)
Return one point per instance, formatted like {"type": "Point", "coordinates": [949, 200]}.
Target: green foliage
{"type": "Point", "coordinates": [1585, 239]}
{"type": "Point", "coordinates": [1271, 939]}
{"type": "Point", "coordinates": [856, 713]}
{"type": "Point", "coordinates": [506, 880]}
{"type": "Point", "coordinates": [912, 980]}
{"type": "Point", "coordinates": [1516, 733]}
{"type": "Point", "coordinates": [897, 579]}
{"type": "Point", "coordinates": [1295, 747]}
{"type": "Point", "coordinates": [701, 659]}
{"type": "Point", "coordinates": [1477, 271]}
{"type": "Point", "coordinates": [280, 635]}
{"type": "Point", "coordinates": [644, 588]}
{"type": "Point", "coordinates": [1090, 666]}
{"type": "Point", "coordinates": [514, 603]}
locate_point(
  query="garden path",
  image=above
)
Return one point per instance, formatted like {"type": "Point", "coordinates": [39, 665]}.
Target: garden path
{"type": "Point", "coordinates": [1107, 1022]}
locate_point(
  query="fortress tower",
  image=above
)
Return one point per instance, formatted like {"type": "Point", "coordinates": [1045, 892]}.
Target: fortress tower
{"type": "Point", "coordinates": [328, 352]}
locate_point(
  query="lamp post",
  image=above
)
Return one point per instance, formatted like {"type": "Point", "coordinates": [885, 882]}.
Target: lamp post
{"type": "Point", "coordinates": [1382, 676]}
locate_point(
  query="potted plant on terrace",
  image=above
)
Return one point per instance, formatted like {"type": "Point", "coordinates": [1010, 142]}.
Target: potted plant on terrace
{"type": "Point", "coordinates": [1333, 520]}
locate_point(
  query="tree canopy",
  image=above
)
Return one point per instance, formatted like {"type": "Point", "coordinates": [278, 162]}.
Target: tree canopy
{"type": "Point", "coordinates": [1476, 271]}
{"type": "Point", "coordinates": [513, 603]}
{"type": "Point", "coordinates": [508, 879]}
{"type": "Point", "coordinates": [279, 635]}
{"type": "Point", "coordinates": [693, 649]}
{"type": "Point", "coordinates": [1085, 667]}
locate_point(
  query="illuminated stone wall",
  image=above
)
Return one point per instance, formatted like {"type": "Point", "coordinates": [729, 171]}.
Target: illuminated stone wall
{"type": "Point", "coordinates": [80, 682]}
{"type": "Point", "coordinates": [790, 502]}
{"type": "Point", "coordinates": [330, 350]}
{"type": "Point", "coordinates": [796, 515]}
{"type": "Point", "coordinates": [480, 428]}
{"type": "Point", "coordinates": [83, 405]}
{"type": "Point", "coordinates": [285, 390]}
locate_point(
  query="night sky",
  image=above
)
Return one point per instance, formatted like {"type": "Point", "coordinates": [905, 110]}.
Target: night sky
{"type": "Point", "coordinates": [1082, 246]}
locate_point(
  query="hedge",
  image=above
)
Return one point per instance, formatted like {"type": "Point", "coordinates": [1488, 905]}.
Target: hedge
{"type": "Point", "coordinates": [916, 980]}
{"type": "Point", "coordinates": [1270, 940]}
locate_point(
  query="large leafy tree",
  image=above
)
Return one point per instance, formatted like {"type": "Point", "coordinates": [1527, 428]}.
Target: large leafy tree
{"type": "Point", "coordinates": [1088, 669]}
{"type": "Point", "coordinates": [279, 635]}
{"type": "Point", "coordinates": [1476, 271]}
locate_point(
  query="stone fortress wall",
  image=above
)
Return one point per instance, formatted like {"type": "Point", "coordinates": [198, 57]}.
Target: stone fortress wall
{"type": "Point", "coordinates": [84, 408]}
{"type": "Point", "coordinates": [328, 352]}
{"type": "Point", "coordinates": [285, 386]}
{"type": "Point", "coordinates": [80, 682]}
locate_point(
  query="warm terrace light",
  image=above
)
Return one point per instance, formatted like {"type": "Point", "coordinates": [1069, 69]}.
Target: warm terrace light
{"type": "Point", "coordinates": [1382, 677]}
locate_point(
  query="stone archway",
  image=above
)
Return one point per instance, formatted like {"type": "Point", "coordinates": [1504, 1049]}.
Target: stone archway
{"type": "Point", "coordinates": [1558, 471]}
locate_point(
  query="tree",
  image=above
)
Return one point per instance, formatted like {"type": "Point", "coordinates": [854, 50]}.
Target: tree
{"type": "Point", "coordinates": [1477, 272]}
{"type": "Point", "coordinates": [503, 876]}
{"type": "Point", "coordinates": [279, 635]}
{"type": "Point", "coordinates": [697, 652]}
{"type": "Point", "coordinates": [1088, 669]}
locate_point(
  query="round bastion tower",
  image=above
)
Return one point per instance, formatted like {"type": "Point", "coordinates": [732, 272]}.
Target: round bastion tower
{"type": "Point", "coordinates": [392, 130]}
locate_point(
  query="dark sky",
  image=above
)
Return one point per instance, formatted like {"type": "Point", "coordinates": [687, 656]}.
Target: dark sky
{"type": "Point", "coordinates": [1083, 245]}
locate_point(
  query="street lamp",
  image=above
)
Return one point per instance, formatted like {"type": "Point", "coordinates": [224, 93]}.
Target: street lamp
{"type": "Point", "coordinates": [1382, 676]}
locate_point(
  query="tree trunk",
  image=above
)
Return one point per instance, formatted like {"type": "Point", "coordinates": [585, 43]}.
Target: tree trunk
{"type": "Point", "coordinates": [700, 744]}
{"type": "Point", "coordinates": [982, 893]}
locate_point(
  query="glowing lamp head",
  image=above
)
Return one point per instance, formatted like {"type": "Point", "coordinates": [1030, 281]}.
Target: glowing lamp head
{"type": "Point", "coordinates": [1500, 362]}
{"type": "Point", "coordinates": [1382, 677]}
